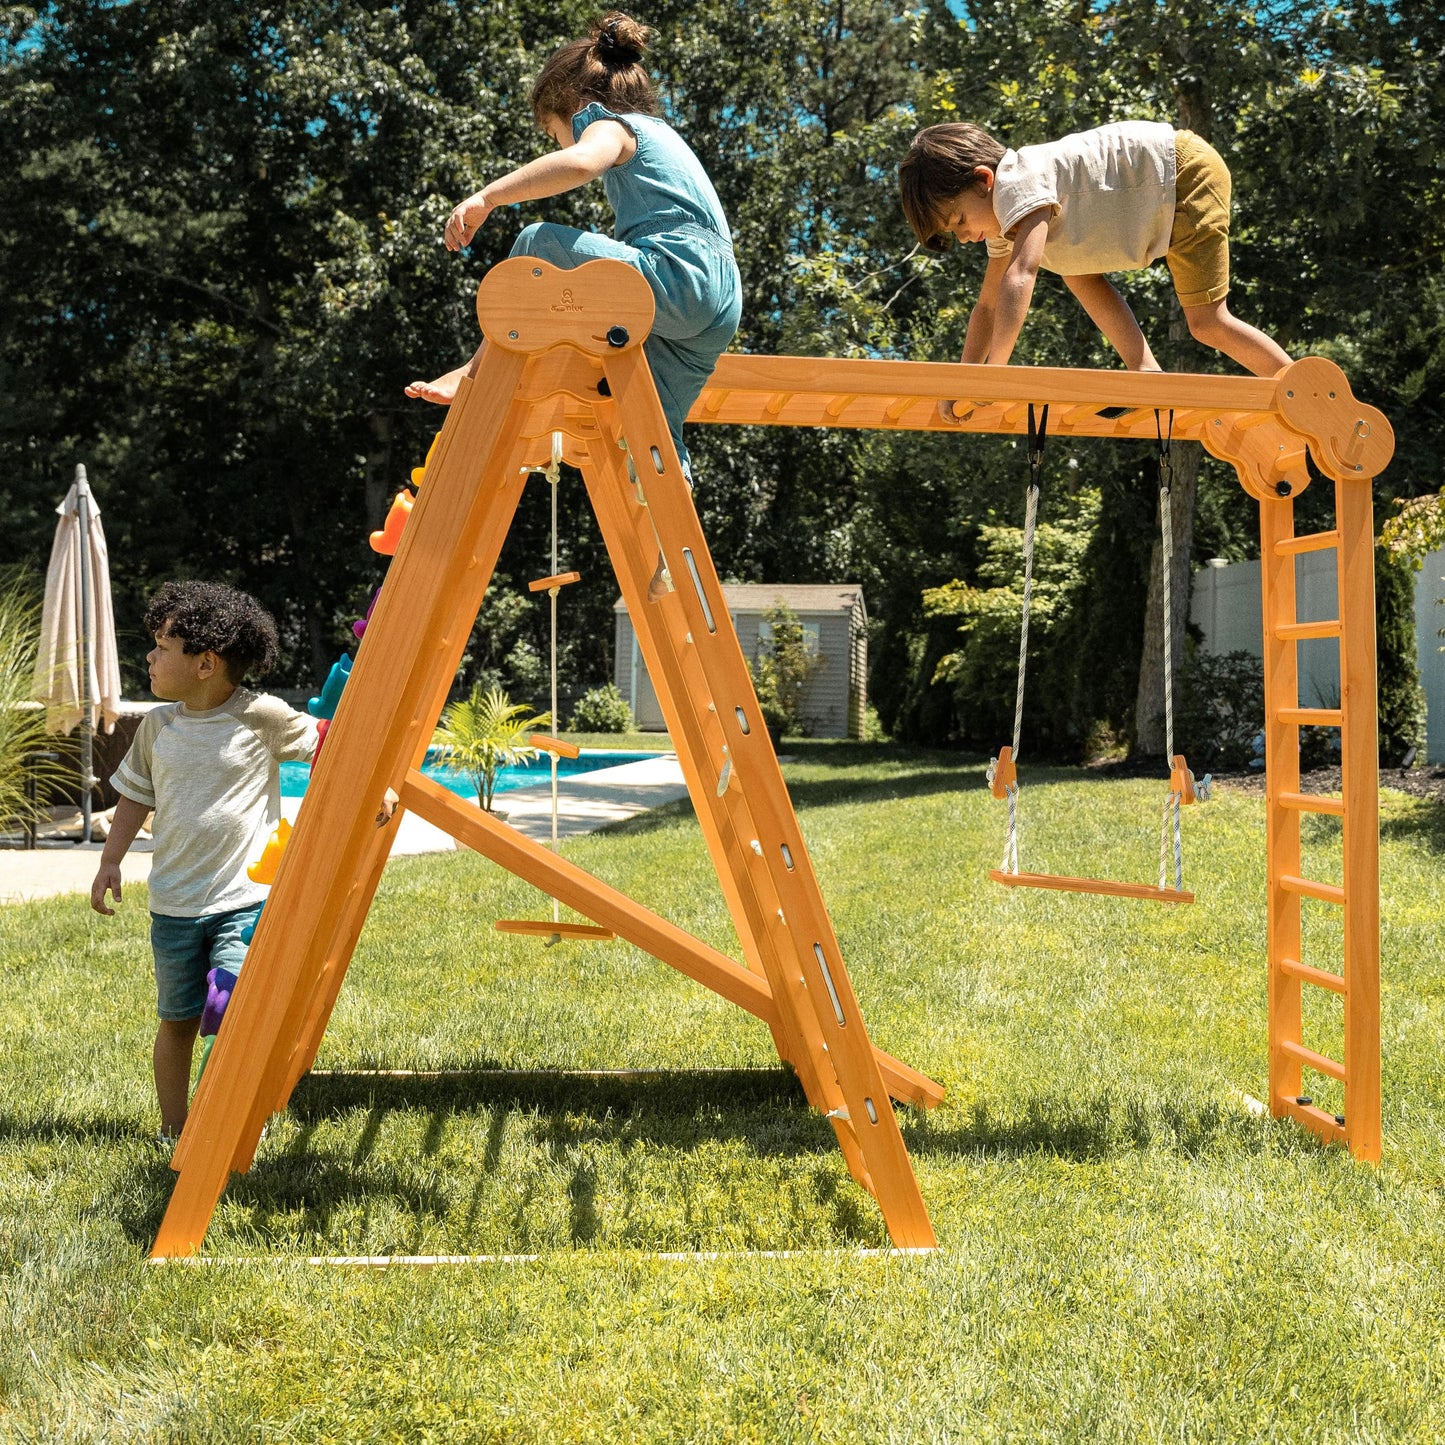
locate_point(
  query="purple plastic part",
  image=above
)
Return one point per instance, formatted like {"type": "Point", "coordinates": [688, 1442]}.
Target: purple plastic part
{"type": "Point", "coordinates": [359, 626]}
{"type": "Point", "coordinates": [219, 983]}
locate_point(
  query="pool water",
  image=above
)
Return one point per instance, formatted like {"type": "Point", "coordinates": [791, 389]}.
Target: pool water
{"type": "Point", "coordinates": [295, 776]}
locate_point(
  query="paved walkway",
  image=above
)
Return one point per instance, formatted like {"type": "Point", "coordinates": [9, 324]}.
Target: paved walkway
{"type": "Point", "coordinates": [584, 803]}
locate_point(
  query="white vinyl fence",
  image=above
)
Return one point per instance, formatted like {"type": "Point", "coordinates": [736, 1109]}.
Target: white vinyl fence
{"type": "Point", "coordinates": [1226, 607]}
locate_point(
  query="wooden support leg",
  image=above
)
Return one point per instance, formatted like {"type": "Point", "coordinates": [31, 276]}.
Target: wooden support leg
{"type": "Point", "coordinates": [384, 718]}
{"type": "Point", "coordinates": [1360, 780]}
{"type": "Point", "coordinates": [800, 952]}
{"type": "Point", "coordinates": [563, 880]}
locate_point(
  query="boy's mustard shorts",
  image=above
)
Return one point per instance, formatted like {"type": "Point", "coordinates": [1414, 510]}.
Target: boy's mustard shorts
{"type": "Point", "coordinates": [1198, 255]}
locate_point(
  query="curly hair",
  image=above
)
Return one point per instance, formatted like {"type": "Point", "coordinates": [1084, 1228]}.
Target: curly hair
{"type": "Point", "coordinates": [606, 66]}
{"type": "Point", "coordinates": [211, 617]}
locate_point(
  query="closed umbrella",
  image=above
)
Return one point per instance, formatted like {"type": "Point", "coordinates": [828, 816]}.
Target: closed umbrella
{"type": "Point", "coordinates": [77, 674]}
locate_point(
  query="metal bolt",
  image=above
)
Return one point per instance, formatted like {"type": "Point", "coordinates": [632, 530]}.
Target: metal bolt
{"type": "Point", "coordinates": [511, 336]}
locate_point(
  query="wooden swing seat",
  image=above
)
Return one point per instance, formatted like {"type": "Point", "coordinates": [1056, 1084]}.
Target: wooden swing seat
{"type": "Point", "coordinates": [1064, 884]}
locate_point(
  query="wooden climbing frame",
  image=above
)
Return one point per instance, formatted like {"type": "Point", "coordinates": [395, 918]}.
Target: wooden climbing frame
{"type": "Point", "coordinates": [553, 339]}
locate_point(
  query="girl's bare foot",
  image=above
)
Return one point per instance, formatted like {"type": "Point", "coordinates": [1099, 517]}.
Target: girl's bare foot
{"type": "Point", "coordinates": [442, 391]}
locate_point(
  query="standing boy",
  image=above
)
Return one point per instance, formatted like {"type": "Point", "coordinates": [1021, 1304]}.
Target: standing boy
{"type": "Point", "coordinates": [1111, 199]}
{"type": "Point", "coordinates": [209, 766]}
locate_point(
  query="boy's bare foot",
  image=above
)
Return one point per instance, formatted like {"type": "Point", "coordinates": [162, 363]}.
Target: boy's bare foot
{"type": "Point", "coordinates": [442, 391]}
{"type": "Point", "coordinates": [660, 584]}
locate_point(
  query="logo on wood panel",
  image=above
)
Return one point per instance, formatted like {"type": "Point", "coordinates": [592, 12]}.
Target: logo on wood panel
{"type": "Point", "coordinates": [566, 303]}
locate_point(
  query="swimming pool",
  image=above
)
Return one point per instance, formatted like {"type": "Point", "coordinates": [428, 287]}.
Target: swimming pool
{"type": "Point", "coordinates": [295, 776]}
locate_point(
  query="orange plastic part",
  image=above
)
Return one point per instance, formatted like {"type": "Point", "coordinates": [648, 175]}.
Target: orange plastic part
{"type": "Point", "coordinates": [263, 870]}
{"type": "Point", "coordinates": [418, 474]}
{"type": "Point", "coordinates": [388, 539]}
{"type": "Point", "coordinates": [1005, 775]}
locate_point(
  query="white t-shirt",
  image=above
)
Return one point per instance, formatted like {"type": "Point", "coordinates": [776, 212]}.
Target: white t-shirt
{"type": "Point", "coordinates": [214, 780]}
{"type": "Point", "coordinates": [1110, 192]}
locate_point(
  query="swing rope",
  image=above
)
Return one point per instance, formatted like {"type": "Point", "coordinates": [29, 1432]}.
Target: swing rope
{"type": "Point", "coordinates": [1038, 433]}
{"type": "Point", "coordinates": [553, 473]}
{"type": "Point", "coordinates": [1173, 803]}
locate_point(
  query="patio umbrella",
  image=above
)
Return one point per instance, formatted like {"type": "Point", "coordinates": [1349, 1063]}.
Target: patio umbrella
{"type": "Point", "coordinates": [77, 673]}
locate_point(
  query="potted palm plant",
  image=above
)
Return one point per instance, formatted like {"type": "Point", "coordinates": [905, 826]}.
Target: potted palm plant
{"type": "Point", "coordinates": [482, 734]}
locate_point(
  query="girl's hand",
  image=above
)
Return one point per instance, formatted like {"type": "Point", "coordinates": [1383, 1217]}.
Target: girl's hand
{"type": "Point", "coordinates": [465, 221]}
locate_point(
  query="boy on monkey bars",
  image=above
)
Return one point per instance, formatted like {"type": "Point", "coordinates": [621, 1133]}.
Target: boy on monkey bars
{"type": "Point", "coordinates": [1115, 198]}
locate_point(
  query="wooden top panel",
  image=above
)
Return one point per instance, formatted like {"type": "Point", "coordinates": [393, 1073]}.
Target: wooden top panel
{"type": "Point", "coordinates": [904, 396]}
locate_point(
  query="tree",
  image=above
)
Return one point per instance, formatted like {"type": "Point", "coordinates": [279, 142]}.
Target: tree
{"type": "Point", "coordinates": [784, 666]}
{"type": "Point", "coordinates": [482, 734]}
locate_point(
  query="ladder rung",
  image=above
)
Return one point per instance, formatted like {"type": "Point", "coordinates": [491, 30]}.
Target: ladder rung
{"type": "Point", "coordinates": [545, 584]}
{"type": "Point", "coordinates": [1312, 803]}
{"type": "Point", "coordinates": [540, 928]}
{"type": "Point", "coordinates": [1311, 1060]}
{"type": "Point", "coordinates": [562, 748]}
{"type": "Point", "coordinates": [1327, 1126]}
{"type": "Point", "coordinates": [1325, 892]}
{"type": "Point", "coordinates": [1297, 631]}
{"type": "Point", "coordinates": [1064, 884]}
{"type": "Point", "coordinates": [1310, 542]}
{"type": "Point", "coordinates": [1318, 976]}
{"type": "Point", "coordinates": [1313, 717]}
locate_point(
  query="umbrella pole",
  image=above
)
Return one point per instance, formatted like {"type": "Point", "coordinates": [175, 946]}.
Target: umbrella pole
{"type": "Point", "coordinates": [87, 633]}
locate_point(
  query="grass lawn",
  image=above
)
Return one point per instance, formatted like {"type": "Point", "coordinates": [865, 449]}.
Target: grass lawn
{"type": "Point", "coordinates": [1127, 1254]}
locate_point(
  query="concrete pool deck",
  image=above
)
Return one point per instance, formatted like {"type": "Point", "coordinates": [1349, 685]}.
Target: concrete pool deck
{"type": "Point", "coordinates": [585, 803]}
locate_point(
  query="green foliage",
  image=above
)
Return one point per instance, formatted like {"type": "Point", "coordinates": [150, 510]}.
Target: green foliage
{"type": "Point", "coordinates": [601, 710]}
{"type": "Point", "coordinates": [483, 733]}
{"type": "Point", "coordinates": [782, 669]}
{"type": "Point", "coordinates": [1417, 527]}
{"type": "Point", "coordinates": [221, 242]}
{"type": "Point", "coordinates": [1221, 708]}
{"type": "Point", "coordinates": [22, 723]}
{"type": "Point", "coordinates": [984, 670]}
{"type": "Point", "coordinates": [1401, 698]}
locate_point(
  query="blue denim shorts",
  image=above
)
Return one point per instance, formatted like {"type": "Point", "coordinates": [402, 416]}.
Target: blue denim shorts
{"type": "Point", "coordinates": [186, 949]}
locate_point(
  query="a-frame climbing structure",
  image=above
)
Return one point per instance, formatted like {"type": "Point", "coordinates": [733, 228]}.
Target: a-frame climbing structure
{"type": "Point", "coordinates": [564, 356]}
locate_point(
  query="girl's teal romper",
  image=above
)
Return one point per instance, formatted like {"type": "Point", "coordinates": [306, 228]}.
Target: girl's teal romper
{"type": "Point", "coordinates": [670, 227]}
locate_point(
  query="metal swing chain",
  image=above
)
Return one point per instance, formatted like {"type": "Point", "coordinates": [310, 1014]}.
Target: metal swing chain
{"type": "Point", "coordinates": [1172, 804]}
{"type": "Point", "coordinates": [1038, 433]}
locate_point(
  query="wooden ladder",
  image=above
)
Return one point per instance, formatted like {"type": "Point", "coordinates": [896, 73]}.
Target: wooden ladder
{"type": "Point", "coordinates": [1356, 982]}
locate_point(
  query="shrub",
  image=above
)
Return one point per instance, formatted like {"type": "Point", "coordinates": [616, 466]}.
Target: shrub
{"type": "Point", "coordinates": [1221, 709]}
{"type": "Point", "coordinates": [601, 710]}
{"type": "Point", "coordinates": [22, 725]}
{"type": "Point", "coordinates": [782, 670]}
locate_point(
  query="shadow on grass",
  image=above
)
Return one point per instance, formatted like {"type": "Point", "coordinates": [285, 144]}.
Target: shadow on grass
{"type": "Point", "coordinates": [1086, 1129]}
{"type": "Point", "coordinates": [1424, 825]}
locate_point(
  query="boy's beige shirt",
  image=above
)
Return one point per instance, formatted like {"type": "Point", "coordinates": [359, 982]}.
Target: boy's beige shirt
{"type": "Point", "coordinates": [214, 780]}
{"type": "Point", "coordinates": [1110, 191]}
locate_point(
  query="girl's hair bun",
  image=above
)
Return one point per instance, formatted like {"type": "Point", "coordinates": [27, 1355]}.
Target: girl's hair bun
{"type": "Point", "coordinates": [618, 39]}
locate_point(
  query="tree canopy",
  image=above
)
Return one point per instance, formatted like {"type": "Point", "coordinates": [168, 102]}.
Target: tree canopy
{"type": "Point", "coordinates": [221, 238]}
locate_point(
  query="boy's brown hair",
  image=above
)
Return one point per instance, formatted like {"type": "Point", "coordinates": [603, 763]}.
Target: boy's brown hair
{"type": "Point", "coordinates": [606, 67]}
{"type": "Point", "coordinates": [939, 167]}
